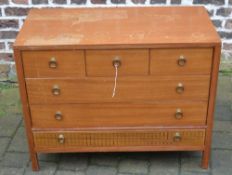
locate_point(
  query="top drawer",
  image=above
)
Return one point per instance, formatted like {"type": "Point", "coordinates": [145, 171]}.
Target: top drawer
{"type": "Point", "coordinates": [132, 62]}
{"type": "Point", "coordinates": [39, 64]}
{"type": "Point", "coordinates": [181, 61]}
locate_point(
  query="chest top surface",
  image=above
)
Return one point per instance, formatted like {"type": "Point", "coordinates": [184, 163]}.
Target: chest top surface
{"type": "Point", "coordinates": [116, 26]}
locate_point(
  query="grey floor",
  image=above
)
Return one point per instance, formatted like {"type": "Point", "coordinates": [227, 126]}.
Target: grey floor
{"type": "Point", "coordinates": [14, 159]}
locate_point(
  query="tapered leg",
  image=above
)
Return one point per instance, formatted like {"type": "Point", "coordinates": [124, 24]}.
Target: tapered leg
{"type": "Point", "coordinates": [26, 110]}
{"type": "Point", "coordinates": [34, 162]}
{"type": "Point", "coordinates": [205, 159]}
{"type": "Point", "coordinates": [211, 105]}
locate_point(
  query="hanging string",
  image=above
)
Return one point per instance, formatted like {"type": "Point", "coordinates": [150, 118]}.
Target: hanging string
{"type": "Point", "coordinates": [115, 80]}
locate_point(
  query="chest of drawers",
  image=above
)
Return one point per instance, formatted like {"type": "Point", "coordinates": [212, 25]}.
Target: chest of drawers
{"type": "Point", "coordinates": [129, 79]}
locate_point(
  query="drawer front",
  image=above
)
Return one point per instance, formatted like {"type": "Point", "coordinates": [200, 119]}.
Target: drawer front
{"type": "Point", "coordinates": [95, 140]}
{"type": "Point", "coordinates": [181, 61]}
{"type": "Point", "coordinates": [129, 89]}
{"type": "Point", "coordinates": [39, 64]}
{"type": "Point", "coordinates": [133, 62]}
{"type": "Point", "coordinates": [118, 115]}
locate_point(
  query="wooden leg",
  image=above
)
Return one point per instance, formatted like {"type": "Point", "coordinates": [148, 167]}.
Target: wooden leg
{"type": "Point", "coordinates": [205, 159]}
{"type": "Point", "coordinates": [26, 110]}
{"type": "Point", "coordinates": [34, 162]}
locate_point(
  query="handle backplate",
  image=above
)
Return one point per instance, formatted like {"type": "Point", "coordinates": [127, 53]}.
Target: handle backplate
{"type": "Point", "coordinates": [180, 88]}
{"type": "Point", "coordinates": [58, 116]}
{"type": "Point", "coordinates": [179, 114]}
{"type": "Point", "coordinates": [181, 61]}
{"type": "Point", "coordinates": [177, 137]}
{"type": "Point", "coordinates": [53, 63]}
{"type": "Point", "coordinates": [56, 90]}
{"type": "Point", "coordinates": [61, 139]}
{"type": "Point", "coordinates": [117, 62]}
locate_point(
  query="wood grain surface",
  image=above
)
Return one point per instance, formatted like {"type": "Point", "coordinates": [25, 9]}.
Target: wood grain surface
{"type": "Point", "coordinates": [116, 27]}
{"type": "Point", "coordinates": [165, 61]}
{"type": "Point", "coordinates": [129, 89]}
{"type": "Point", "coordinates": [133, 62]}
{"type": "Point", "coordinates": [211, 106]}
{"type": "Point", "coordinates": [25, 109]}
{"type": "Point", "coordinates": [69, 63]}
{"type": "Point", "coordinates": [118, 115]}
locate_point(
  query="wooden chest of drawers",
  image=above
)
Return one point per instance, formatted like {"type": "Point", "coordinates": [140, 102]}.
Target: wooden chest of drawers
{"type": "Point", "coordinates": [129, 79]}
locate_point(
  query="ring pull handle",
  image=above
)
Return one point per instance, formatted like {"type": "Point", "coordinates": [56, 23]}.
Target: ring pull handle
{"type": "Point", "coordinates": [180, 88]}
{"type": "Point", "coordinates": [56, 90]}
{"type": "Point", "coordinates": [179, 114]}
{"type": "Point", "coordinates": [116, 64]}
{"type": "Point", "coordinates": [58, 116]}
{"type": "Point", "coordinates": [181, 61]}
{"type": "Point", "coordinates": [177, 137]}
{"type": "Point", "coordinates": [53, 63]}
{"type": "Point", "coordinates": [61, 139]}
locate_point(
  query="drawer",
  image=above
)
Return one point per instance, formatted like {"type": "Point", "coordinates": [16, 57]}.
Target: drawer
{"type": "Point", "coordinates": [43, 64]}
{"type": "Point", "coordinates": [119, 140]}
{"type": "Point", "coordinates": [133, 62]}
{"type": "Point", "coordinates": [181, 61]}
{"type": "Point", "coordinates": [129, 89]}
{"type": "Point", "coordinates": [118, 115]}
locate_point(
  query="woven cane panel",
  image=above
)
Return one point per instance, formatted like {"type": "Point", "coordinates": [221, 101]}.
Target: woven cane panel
{"type": "Point", "coordinates": [118, 139]}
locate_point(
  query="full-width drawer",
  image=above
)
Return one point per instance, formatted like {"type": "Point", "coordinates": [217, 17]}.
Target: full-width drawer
{"type": "Point", "coordinates": [39, 64]}
{"type": "Point", "coordinates": [129, 89]}
{"type": "Point", "coordinates": [132, 62]}
{"type": "Point", "coordinates": [118, 115]}
{"type": "Point", "coordinates": [119, 140]}
{"type": "Point", "coordinates": [187, 61]}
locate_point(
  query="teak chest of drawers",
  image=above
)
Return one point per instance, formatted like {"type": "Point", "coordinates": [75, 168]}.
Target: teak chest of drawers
{"type": "Point", "coordinates": [162, 63]}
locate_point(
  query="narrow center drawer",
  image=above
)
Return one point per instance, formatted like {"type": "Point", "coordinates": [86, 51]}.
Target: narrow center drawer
{"type": "Point", "coordinates": [44, 64]}
{"type": "Point", "coordinates": [132, 62]}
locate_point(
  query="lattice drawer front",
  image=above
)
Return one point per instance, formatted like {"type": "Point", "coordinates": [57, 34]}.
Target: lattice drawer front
{"type": "Point", "coordinates": [119, 138]}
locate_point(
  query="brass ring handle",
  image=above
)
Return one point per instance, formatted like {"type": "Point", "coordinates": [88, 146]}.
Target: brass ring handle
{"type": "Point", "coordinates": [177, 137]}
{"type": "Point", "coordinates": [56, 90]}
{"type": "Point", "coordinates": [117, 62]}
{"type": "Point", "coordinates": [181, 61]}
{"type": "Point", "coordinates": [53, 63]}
{"type": "Point", "coordinates": [180, 88]}
{"type": "Point", "coordinates": [58, 116]}
{"type": "Point", "coordinates": [179, 114]}
{"type": "Point", "coordinates": [61, 138]}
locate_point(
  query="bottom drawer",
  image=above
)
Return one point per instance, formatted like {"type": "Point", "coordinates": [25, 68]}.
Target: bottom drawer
{"type": "Point", "coordinates": [120, 140]}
